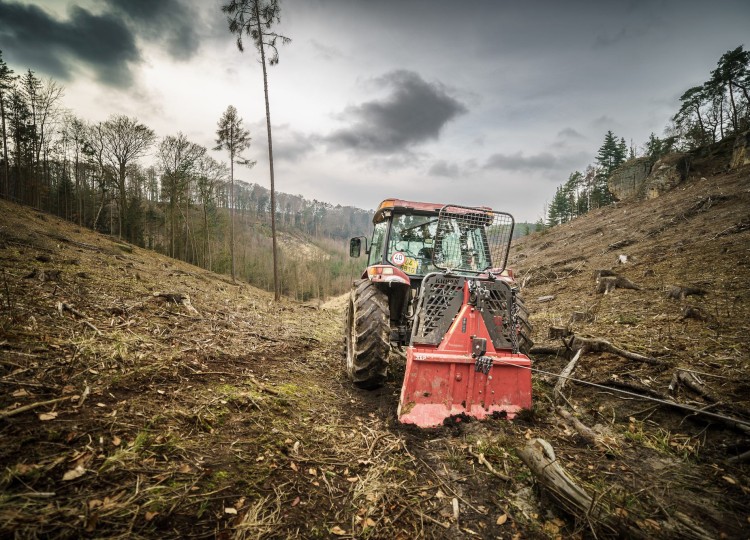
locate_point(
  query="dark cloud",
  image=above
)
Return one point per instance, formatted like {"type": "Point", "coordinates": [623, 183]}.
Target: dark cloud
{"type": "Point", "coordinates": [104, 42]}
{"type": "Point", "coordinates": [544, 161]}
{"type": "Point", "coordinates": [167, 22]}
{"type": "Point", "coordinates": [414, 112]}
{"type": "Point", "coordinates": [570, 133]}
{"type": "Point", "coordinates": [443, 168]}
{"type": "Point", "coordinates": [291, 145]}
{"type": "Point", "coordinates": [34, 38]}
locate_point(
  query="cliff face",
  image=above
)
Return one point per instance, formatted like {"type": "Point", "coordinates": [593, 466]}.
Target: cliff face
{"type": "Point", "coordinates": [643, 178]}
{"type": "Point", "coordinates": [628, 179]}
{"type": "Point", "coordinates": [741, 151]}
{"type": "Point", "coordinates": [666, 174]}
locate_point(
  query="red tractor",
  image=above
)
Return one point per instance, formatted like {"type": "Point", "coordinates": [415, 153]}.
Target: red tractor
{"type": "Point", "coordinates": [436, 284]}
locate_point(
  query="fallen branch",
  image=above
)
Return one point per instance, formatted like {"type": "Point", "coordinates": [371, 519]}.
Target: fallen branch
{"type": "Point", "coordinates": [62, 307]}
{"type": "Point", "coordinates": [12, 412]}
{"type": "Point", "coordinates": [564, 375]}
{"type": "Point", "coordinates": [726, 421]}
{"type": "Point", "coordinates": [597, 345]}
{"type": "Point", "coordinates": [588, 434]}
{"type": "Point", "coordinates": [639, 388]}
{"type": "Point", "coordinates": [742, 458]}
{"type": "Point", "coordinates": [692, 382]}
{"type": "Point", "coordinates": [483, 460]}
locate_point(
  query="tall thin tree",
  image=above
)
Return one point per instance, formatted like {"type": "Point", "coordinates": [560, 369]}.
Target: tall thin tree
{"type": "Point", "coordinates": [256, 18]}
{"type": "Point", "coordinates": [6, 81]}
{"type": "Point", "coordinates": [234, 138]}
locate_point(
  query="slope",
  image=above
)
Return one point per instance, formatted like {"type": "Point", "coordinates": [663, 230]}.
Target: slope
{"type": "Point", "coordinates": [667, 279]}
{"type": "Point", "coordinates": [146, 398]}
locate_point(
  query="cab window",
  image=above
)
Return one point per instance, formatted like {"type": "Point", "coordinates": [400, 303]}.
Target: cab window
{"type": "Point", "coordinates": [378, 242]}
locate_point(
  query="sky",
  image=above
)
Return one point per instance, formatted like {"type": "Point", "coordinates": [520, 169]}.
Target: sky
{"type": "Point", "coordinates": [475, 102]}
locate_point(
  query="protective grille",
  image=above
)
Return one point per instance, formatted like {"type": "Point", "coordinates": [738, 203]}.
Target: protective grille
{"type": "Point", "coordinates": [472, 239]}
{"type": "Point", "coordinates": [496, 303]}
{"type": "Point", "coordinates": [439, 302]}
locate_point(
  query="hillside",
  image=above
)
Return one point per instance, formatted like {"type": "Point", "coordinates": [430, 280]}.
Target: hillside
{"type": "Point", "coordinates": [144, 397]}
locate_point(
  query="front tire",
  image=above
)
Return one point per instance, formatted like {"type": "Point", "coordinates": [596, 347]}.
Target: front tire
{"type": "Point", "coordinates": [367, 340]}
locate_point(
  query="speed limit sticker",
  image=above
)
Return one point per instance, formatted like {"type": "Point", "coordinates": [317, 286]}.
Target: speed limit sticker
{"type": "Point", "coordinates": [398, 258]}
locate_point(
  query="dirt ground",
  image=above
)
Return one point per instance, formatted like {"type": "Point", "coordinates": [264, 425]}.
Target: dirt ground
{"type": "Point", "coordinates": [146, 398]}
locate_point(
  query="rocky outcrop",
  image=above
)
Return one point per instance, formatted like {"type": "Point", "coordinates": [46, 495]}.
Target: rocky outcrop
{"type": "Point", "coordinates": [741, 151]}
{"type": "Point", "coordinates": [666, 174]}
{"type": "Point", "coordinates": [628, 179]}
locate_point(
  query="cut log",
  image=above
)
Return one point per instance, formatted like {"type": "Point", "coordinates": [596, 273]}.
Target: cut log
{"type": "Point", "coordinates": [582, 316]}
{"type": "Point", "coordinates": [540, 458]}
{"type": "Point", "coordinates": [605, 285]}
{"type": "Point", "coordinates": [678, 292]}
{"type": "Point", "coordinates": [694, 313]}
{"type": "Point", "coordinates": [604, 273]}
{"type": "Point", "coordinates": [558, 332]}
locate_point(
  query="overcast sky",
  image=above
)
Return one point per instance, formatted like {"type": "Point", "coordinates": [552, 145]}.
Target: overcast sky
{"type": "Point", "coordinates": [472, 102]}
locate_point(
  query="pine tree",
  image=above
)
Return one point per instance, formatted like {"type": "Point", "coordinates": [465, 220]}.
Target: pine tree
{"type": "Point", "coordinates": [234, 138]}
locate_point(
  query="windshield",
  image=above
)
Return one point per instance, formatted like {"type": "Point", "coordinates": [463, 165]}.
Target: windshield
{"type": "Point", "coordinates": [411, 243]}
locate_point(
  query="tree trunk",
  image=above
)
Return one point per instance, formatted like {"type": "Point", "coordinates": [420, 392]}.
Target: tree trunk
{"type": "Point", "coordinates": [734, 107]}
{"type": "Point", "coordinates": [231, 213]}
{"type": "Point", "coordinates": [6, 180]}
{"type": "Point", "coordinates": [122, 201]}
{"type": "Point", "coordinates": [276, 290]}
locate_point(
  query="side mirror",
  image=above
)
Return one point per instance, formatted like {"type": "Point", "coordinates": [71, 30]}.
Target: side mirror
{"type": "Point", "coordinates": [355, 247]}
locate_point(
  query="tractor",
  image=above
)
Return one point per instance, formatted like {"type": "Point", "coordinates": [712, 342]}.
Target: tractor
{"type": "Point", "coordinates": [436, 285]}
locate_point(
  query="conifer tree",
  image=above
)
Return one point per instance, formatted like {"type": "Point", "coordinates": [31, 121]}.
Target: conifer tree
{"type": "Point", "coordinates": [234, 138]}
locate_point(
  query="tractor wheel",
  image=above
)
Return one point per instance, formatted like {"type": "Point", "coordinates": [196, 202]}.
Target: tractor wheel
{"type": "Point", "coordinates": [525, 343]}
{"type": "Point", "coordinates": [367, 337]}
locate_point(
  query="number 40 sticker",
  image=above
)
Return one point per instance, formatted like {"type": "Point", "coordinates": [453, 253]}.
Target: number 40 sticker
{"type": "Point", "coordinates": [398, 258]}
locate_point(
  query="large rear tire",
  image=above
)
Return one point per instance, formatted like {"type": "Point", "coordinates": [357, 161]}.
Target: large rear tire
{"type": "Point", "coordinates": [367, 340]}
{"type": "Point", "coordinates": [525, 343]}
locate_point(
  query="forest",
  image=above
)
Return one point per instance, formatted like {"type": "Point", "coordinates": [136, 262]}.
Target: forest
{"type": "Point", "coordinates": [718, 108]}
{"type": "Point", "coordinates": [116, 176]}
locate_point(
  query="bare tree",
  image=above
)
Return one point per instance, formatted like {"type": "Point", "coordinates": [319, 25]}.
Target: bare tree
{"type": "Point", "coordinates": [255, 18]}
{"type": "Point", "coordinates": [234, 138]}
{"type": "Point", "coordinates": [74, 130]}
{"type": "Point", "coordinates": [178, 158]}
{"type": "Point", "coordinates": [210, 173]}
{"type": "Point", "coordinates": [123, 141]}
